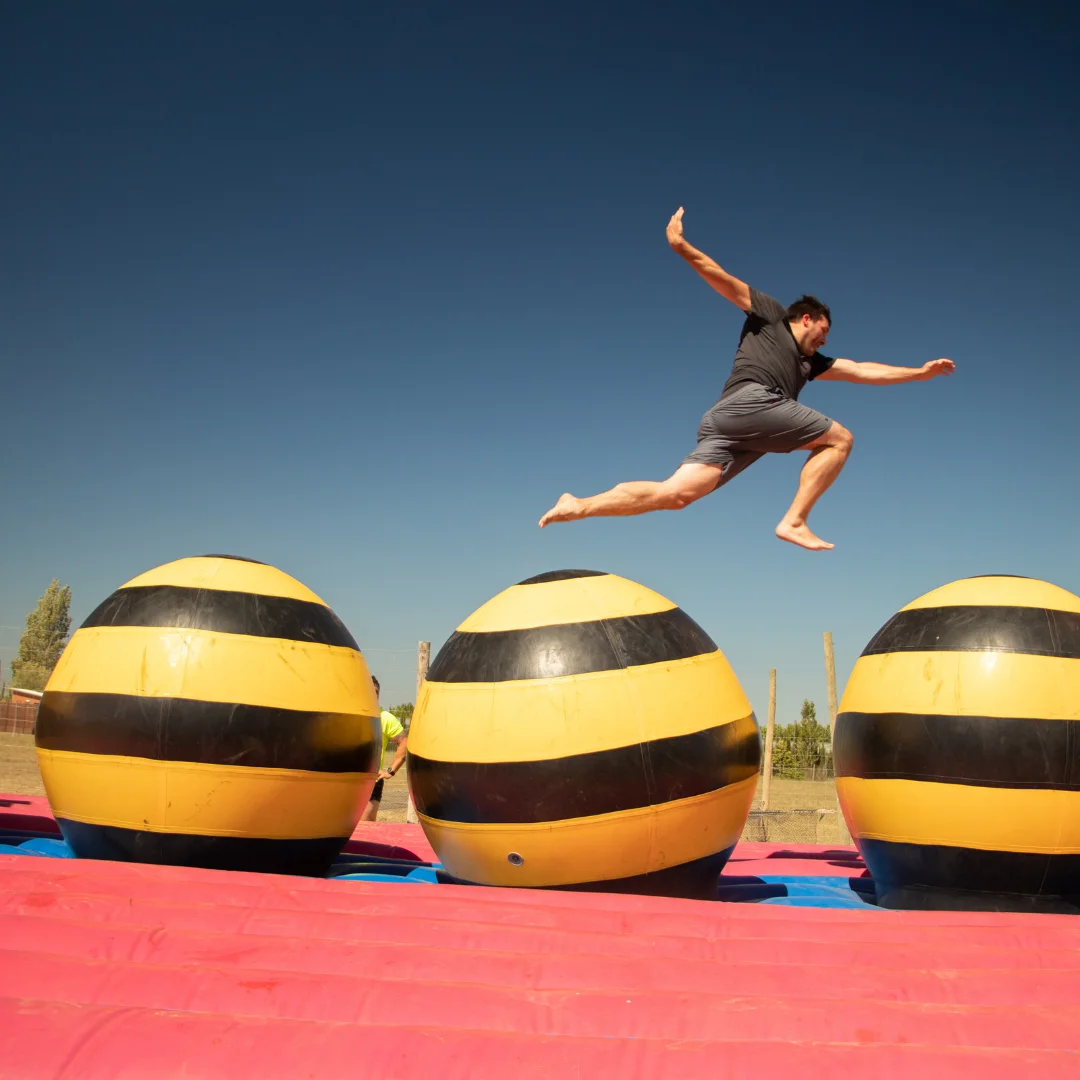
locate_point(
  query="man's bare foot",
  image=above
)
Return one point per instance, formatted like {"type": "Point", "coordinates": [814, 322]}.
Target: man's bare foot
{"type": "Point", "coordinates": [800, 534]}
{"type": "Point", "coordinates": [566, 509]}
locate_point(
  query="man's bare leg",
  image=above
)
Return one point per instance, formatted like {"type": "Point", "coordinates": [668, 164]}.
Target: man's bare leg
{"type": "Point", "coordinates": [828, 453]}
{"type": "Point", "coordinates": [687, 484]}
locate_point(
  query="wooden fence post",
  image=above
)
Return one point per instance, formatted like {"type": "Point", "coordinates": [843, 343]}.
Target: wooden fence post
{"type": "Point", "coordinates": [423, 655]}
{"type": "Point", "coordinates": [766, 778]}
{"type": "Point", "coordinates": [830, 679]}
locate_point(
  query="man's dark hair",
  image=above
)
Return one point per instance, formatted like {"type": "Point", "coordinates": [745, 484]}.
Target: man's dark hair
{"type": "Point", "coordinates": [376, 683]}
{"type": "Point", "coordinates": [809, 305]}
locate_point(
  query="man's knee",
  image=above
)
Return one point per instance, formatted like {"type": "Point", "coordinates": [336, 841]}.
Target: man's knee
{"type": "Point", "coordinates": [841, 438]}
{"type": "Point", "coordinates": [682, 491]}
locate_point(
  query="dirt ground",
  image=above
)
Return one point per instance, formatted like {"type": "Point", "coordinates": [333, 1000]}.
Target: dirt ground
{"type": "Point", "coordinates": [19, 776]}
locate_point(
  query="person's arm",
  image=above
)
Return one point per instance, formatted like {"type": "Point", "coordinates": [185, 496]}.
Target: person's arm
{"type": "Point", "coordinates": [871, 374]}
{"type": "Point", "coordinates": [727, 285]}
{"type": "Point", "coordinates": [399, 758]}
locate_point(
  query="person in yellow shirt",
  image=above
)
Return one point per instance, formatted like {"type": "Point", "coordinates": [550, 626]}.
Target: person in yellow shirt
{"type": "Point", "coordinates": [392, 731]}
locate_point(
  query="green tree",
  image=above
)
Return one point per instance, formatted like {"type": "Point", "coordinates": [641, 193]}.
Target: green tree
{"type": "Point", "coordinates": [403, 713]}
{"type": "Point", "coordinates": [802, 745]}
{"type": "Point", "coordinates": [43, 641]}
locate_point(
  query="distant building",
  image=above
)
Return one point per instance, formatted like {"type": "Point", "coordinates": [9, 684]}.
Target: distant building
{"type": "Point", "coordinates": [19, 715]}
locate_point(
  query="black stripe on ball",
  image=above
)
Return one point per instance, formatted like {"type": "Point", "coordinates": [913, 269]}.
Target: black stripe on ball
{"type": "Point", "coordinates": [224, 612]}
{"type": "Point", "coordinates": [583, 785]}
{"type": "Point", "coordinates": [548, 652]}
{"type": "Point", "coordinates": [561, 575]}
{"type": "Point", "coordinates": [982, 751]}
{"type": "Point", "coordinates": [926, 876]}
{"type": "Point", "coordinates": [235, 558]}
{"type": "Point", "coordinates": [116, 844]}
{"type": "Point", "coordinates": [980, 628]}
{"type": "Point", "coordinates": [208, 732]}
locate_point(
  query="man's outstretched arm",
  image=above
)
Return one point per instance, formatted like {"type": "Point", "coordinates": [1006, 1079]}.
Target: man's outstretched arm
{"type": "Point", "coordinates": [399, 758]}
{"type": "Point", "coordinates": [870, 374]}
{"type": "Point", "coordinates": [728, 286]}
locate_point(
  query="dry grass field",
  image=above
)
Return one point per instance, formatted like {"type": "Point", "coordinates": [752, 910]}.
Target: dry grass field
{"type": "Point", "coordinates": [798, 795]}
{"type": "Point", "coordinates": [18, 766]}
{"type": "Point", "coordinates": [791, 802]}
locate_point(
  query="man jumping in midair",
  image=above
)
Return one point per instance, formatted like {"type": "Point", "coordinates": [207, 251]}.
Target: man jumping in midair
{"type": "Point", "coordinates": [758, 411]}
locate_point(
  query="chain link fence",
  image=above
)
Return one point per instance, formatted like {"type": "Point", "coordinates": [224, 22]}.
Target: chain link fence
{"type": "Point", "coordinates": [792, 827]}
{"type": "Point", "coordinates": [804, 772]}
{"type": "Point", "coordinates": [395, 799]}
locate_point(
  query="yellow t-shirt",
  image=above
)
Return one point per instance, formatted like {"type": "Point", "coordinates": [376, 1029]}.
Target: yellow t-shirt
{"type": "Point", "coordinates": [391, 729]}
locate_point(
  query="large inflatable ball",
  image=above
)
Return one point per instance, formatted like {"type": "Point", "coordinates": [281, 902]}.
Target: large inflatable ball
{"type": "Point", "coordinates": [581, 730]}
{"type": "Point", "coordinates": [957, 749]}
{"type": "Point", "coordinates": [211, 712]}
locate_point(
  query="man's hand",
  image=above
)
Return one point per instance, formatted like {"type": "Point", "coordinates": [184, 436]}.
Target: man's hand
{"type": "Point", "coordinates": [933, 368]}
{"type": "Point", "coordinates": [674, 230]}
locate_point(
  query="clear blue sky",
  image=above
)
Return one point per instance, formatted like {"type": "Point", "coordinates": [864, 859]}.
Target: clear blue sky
{"type": "Point", "coordinates": [360, 289]}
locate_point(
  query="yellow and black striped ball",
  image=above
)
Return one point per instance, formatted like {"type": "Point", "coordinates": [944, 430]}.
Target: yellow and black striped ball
{"type": "Point", "coordinates": [211, 712]}
{"type": "Point", "coordinates": [957, 749]}
{"type": "Point", "coordinates": [580, 730]}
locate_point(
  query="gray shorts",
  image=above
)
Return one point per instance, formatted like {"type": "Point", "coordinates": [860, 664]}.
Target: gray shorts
{"type": "Point", "coordinates": [753, 420]}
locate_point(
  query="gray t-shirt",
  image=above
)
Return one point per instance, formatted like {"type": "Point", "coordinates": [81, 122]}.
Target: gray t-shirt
{"type": "Point", "coordinates": [767, 353]}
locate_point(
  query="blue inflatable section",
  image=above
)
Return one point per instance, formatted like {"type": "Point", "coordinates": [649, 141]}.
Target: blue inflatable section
{"type": "Point", "coordinates": [377, 868]}
{"type": "Point", "coordinates": [793, 891]}
{"type": "Point", "coordinates": [24, 843]}
{"type": "Point", "coordinates": [809, 891]}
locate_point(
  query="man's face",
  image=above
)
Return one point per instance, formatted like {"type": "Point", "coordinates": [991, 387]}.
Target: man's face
{"type": "Point", "coordinates": [814, 333]}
